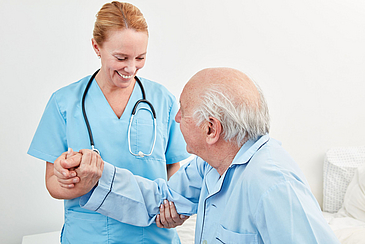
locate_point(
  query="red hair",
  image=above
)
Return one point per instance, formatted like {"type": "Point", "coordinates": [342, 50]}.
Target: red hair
{"type": "Point", "coordinates": [116, 16]}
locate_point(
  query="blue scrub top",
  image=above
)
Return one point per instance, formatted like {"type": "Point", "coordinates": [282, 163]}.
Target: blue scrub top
{"type": "Point", "coordinates": [63, 126]}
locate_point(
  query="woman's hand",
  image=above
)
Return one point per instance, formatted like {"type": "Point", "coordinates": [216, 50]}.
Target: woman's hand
{"type": "Point", "coordinates": [61, 176]}
{"type": "Point", "coordinates": [168, 217]}
{"type": "Point", "coordinates": [65, 173]}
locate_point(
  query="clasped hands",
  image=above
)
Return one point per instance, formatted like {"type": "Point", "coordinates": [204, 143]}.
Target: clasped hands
{"type": "Point", "coordinates": [81, 171]}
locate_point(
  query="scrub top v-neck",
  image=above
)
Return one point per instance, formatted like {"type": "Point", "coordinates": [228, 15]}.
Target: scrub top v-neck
{"type": "Point", "coordinates": [99, 94]}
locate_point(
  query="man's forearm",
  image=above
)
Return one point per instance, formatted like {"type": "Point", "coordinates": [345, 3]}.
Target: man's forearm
{"type": "Point", "coordinates": [132, 199]}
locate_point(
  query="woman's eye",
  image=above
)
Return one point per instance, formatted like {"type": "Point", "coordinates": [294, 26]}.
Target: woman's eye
{"type": "Point", "coordinates": [124, 59]}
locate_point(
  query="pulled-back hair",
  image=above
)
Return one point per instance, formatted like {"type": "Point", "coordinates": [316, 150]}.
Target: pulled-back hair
{"type": "Point", "coordinates": [116, 15]}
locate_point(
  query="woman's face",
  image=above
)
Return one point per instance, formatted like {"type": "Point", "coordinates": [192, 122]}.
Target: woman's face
{"type": "Point", "coordinates": [122, 55]}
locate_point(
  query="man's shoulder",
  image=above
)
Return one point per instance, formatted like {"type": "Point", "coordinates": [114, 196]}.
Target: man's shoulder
{"type": "Point", "coordinates": [271, 165]}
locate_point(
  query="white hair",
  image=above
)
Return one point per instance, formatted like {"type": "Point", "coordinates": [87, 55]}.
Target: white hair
{"type": "Point", "coordinates": [238, 119]}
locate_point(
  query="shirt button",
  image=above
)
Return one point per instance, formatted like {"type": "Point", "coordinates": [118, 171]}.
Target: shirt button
{"type": "Point", "coordinates": [205, 242]}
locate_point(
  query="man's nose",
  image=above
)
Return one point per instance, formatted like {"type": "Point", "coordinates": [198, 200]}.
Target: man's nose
{"type": "Point", "coordinates": [178, 116]}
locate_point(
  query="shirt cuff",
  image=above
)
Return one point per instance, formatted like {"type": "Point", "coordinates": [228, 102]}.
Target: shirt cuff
{"type": "Point", "coordinates": [96, 197]}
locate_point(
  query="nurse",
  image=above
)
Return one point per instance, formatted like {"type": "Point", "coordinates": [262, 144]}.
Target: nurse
{"type": "Point", "coordinates": [120, 40]}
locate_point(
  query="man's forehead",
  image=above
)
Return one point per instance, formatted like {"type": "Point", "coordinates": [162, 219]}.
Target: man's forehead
{"type": "Point", "coordinates": [182, 100]}
{"type": "Point", "coordinates": [187, 99]}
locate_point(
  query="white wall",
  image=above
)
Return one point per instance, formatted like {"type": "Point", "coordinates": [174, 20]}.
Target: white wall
{"type": "Point", "coordinates": [308, 57]}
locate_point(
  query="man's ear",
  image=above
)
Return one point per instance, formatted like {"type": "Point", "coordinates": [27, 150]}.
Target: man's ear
{"type": "Point", "coordinates": [214, 129]}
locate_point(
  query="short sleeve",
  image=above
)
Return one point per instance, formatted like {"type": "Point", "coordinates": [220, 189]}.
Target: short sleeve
{"type": "Point", "coordinates": [176, 147]}
{"type": "Point", "coordinates": [49, 140]}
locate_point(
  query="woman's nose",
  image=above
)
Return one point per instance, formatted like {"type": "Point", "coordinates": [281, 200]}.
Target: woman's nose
{"type": "Point", "coordinates": [130, 68]}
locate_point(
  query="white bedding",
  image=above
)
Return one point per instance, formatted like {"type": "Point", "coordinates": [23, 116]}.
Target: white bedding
{"type": "Point", "coordinates": [344, 193]}
{"type": "Point", "coordinates": [186, 232]}
{"type": "Point", "coordinates": [339, 168]}
{"type": "Point", "coordinates": [348, 230]}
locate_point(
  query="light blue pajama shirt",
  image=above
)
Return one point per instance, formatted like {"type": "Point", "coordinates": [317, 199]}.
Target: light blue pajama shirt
{"type": "Point", "coordinates": [263, 197]}
{"type": "Point", "coordinates": [63, 126]}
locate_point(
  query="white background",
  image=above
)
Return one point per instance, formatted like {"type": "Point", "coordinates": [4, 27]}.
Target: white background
{"type": "Point", "coordinates": [308, 57]}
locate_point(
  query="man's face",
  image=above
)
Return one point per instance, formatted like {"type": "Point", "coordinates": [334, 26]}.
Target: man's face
{"type": "Point", "coordinates": [193, 134]}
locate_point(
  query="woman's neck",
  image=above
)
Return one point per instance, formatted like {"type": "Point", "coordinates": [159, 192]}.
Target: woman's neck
{"type": "Point", "coordinates": [117, 97]}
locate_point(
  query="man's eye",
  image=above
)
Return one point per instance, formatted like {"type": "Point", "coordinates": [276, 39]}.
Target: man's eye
{"type": "Point", "coordinates": [121, 59]}
{"type": "Point", "coordinates": [140, 58]}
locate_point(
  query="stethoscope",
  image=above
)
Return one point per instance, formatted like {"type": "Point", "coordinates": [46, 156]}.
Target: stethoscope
{"type": "Point", "coordinates": [134, 111]}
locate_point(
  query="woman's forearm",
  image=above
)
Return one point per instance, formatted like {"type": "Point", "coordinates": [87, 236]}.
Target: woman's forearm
{"type": "Point", "coordinates": [172, 169]}
{"type": "Point", "coordinates": [56, 190]}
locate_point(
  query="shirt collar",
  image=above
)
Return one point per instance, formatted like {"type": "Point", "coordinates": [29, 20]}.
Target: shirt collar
{"type": "Point", "coordinates": [249, 149]}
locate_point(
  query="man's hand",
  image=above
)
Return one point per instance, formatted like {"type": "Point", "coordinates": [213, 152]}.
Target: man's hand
{"type": "Point", "coordinates": [89, 171]}
{"type": "Point", "coordinates": [168, 217]}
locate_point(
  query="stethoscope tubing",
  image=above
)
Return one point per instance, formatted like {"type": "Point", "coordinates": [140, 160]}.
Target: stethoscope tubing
{"type": "Point", "coordinates": [91, 138]}
{"type": "Point", "coordinates": [143, 100]}
{"type": "Point", "coordinates": [140, 153]}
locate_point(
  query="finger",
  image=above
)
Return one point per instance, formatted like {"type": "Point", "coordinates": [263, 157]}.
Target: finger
{"type": "Point", "coordinates": [62, 156]}
{"type": "Point", "coordinates": [168, 217]}
{"type": "Point", "coordinates": [100, 163]}
{"type": "Point", "coordinates": [69, 181]}
{"type": "Point", "coordinates": [71, 162]}
{"type": "Point", "coordinates": [92, 162]}
{"type": "Point", "coordinates": [99, 166]}
{"type": "Point", "coordinates": [68, 186]}
{"type": "Point", "coordinates": [86, 156]}
{"type": "Point", "coordinates": [86, 151]}
{"type": "Point", "coordinates": [158, 223]}
{"type": "Point", "coordinates": [58, 167]}
{"type": "Point", "coordinates": [184, 217]}
{"type": "Point", "coordinates": [63, 173]}
{"type": "Point", "coordinates": [174, 215]}
{"type": "Point", "coordinates": [94, 159]}
{"type": "Point", "coordinates": [176, 219]}
{"type": "Point", "coordinates": [162, 216]}
{"type": "Point", "coordinates": [70, 152]}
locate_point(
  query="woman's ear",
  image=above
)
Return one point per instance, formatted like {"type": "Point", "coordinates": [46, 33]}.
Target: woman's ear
{"type": "Point", "coordinates": [214, 130]}
{"type": "Point", "coordinates": [95, 47]}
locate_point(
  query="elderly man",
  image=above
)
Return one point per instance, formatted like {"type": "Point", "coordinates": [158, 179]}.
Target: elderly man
{"type": "Point", "coordinates": [243, 186]}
